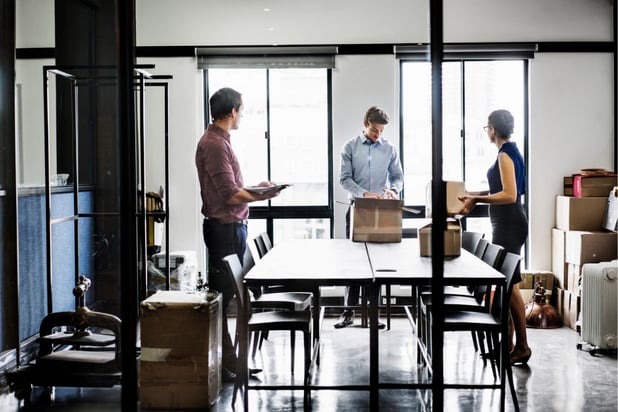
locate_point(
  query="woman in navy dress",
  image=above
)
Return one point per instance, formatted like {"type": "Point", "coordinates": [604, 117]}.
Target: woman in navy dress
{"type": "Point", "coordinates": [507, 183]}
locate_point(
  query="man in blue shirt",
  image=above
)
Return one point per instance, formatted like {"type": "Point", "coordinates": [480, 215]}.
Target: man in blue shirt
{"type": "Point", "coordinates": [370, 167]}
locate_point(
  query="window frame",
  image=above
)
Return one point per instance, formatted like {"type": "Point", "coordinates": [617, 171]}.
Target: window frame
{"type": "Point", "coordinates": [268, 212]}
{"type": "Point", "coordinates": [482, 210]}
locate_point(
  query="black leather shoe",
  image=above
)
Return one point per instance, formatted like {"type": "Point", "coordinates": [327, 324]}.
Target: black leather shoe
{"type": "Point", "coordinates": [227, 376]}
{"type": "Point", "coordinates": [254, 371]}
{"type": "Point", "coordinates": [346, 319]}
{"type": "Point", "coordinates": [381, 325]}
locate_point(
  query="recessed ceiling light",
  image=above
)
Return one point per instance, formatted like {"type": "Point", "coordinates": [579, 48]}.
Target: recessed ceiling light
{"type": "Point", "coordinates": [271, 29]}
{"type": "Point", "coordinates": [266, 9]}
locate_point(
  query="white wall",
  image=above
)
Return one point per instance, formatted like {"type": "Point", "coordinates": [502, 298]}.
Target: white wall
{"type": "Point", "coordinates": [571, 104]}
{"type": "Point", "coordinates": [571, 127]}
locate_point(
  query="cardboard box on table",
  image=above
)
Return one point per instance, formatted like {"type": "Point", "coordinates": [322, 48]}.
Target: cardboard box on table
{"type": "Point", "coordinates": [376, 220]}
{"type": "Point", "coordinates": [181, 350]}
{"type": "Point", "coordinates": [452, 238]}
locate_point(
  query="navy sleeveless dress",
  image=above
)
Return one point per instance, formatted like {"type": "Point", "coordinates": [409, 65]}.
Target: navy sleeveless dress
{"type": "Point", "coordinates": [509, 222]}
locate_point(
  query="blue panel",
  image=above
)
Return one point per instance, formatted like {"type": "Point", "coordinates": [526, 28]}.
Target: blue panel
{"type": "Point", "coordinates": [32, 264]}
{"type": "Point", "coordinates": [63, 266]}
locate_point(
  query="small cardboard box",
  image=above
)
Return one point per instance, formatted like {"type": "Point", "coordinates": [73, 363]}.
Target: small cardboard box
{"type": "Point", "coordinates": [376, 220]}
{"type": "Point", "coordinates": [530, 278]}
{"type": "Point", "coordinates": [558, 257]}
{"type": "Point", "coordinates": [580, 213]}
{"type": "Point", "coordinates": [590, 247]}
{"type": "Point", "coordinates": [454, 190]}
{"type": "Point", "coordinates": [452, 239]}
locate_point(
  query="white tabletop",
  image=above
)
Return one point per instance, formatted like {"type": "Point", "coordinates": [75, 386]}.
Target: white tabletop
{"type": "Point", "coordinates": [402, 262]}
{"type": "Point", "coordinates": [337, 261]}
{"type": "Point", "coordinates": [328, 260]}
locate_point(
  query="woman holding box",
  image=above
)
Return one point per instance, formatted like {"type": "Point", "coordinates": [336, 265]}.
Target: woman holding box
{"type": "Point", "coordinates": [507, 183]}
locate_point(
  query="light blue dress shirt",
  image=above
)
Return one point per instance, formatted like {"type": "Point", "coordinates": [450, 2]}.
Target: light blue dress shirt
{"type": "Point", "coordinates": [369, 167]}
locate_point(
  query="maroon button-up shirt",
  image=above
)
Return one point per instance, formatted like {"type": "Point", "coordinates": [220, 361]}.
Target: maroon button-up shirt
{"type": "Point", "coordinates": [220, 176]}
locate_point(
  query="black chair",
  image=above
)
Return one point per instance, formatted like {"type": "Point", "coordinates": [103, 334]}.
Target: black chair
{"type": "Point", "coordinates": [265, 299]}
{"type": "Point", "coordinates": [470, 240]}
{"type": "Point", "coordinates": [481, 247]}
{"type": "Point", "coordinates": [475, 298]}
{"type": "Point", "coordinates": [275, 320]}
{"type": "Point", "coordinates": [493, 324]}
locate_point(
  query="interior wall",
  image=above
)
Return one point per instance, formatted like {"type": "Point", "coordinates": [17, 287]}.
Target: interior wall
{"type": "Point", "coordinates": [571, 101]}
{"type": "Point", "coordinates": [571, 127]}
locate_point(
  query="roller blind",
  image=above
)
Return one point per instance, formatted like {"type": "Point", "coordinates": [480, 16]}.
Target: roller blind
{"type": "Point", "coordinates": [469, 51]}
{"type": "Point", "coordinates": [273, 57]}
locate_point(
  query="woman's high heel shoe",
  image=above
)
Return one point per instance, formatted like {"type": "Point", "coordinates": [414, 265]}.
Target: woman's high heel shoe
{"type": "Point", "coordinates": [521, 357]}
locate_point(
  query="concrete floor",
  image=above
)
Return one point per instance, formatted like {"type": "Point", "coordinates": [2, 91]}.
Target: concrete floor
{"type": "Point", "coordinates": [559, 377]}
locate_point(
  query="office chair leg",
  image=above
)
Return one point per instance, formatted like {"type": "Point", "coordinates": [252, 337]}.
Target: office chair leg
{"type": "Point", "coordinates": [509, 374]}
{"type": "Point", "coordinates": [307, 376]}
{"type": "Point", "coordinates": [293, 347]}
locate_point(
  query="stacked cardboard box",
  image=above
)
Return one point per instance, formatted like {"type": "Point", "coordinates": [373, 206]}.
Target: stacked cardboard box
{"type": "Point", "coordinates": [181, 350]}
{"type": "Point", "coordinates": [578, 238]}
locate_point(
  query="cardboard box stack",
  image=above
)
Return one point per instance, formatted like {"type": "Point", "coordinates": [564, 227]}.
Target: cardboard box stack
{"type": "Point", "coordinates": [181, 350]}
{"type": "Point", "coordinates": [578, 238]}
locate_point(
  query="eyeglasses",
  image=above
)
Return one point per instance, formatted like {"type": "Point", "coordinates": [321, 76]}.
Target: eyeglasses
{"type": "Point", "coordinates": [486, 128]}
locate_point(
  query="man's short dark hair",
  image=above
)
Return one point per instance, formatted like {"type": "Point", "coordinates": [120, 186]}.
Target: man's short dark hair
{"type": "Point", "coordinates": [376, 115]}
{"type": "Point", "coordinates": [223, 101]}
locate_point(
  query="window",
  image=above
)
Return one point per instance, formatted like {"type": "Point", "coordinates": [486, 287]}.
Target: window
{"type": "Point", "coordinates": [284, 137]}
{"type": "Point", "coordinates": [470, 91]}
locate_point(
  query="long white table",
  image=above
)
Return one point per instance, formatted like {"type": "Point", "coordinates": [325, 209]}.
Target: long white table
{"type": "Point", "coordinates": [309, 264]}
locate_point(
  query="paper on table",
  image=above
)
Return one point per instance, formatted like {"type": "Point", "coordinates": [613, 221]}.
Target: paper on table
{"type": "Point", "coordinates": [265, 189]}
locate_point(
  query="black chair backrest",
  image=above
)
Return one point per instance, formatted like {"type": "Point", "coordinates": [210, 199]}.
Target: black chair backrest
{"type": "Point", "coordinates": [268, 244]}
{"type": "Point", "coordinates": [260, 246]}
{"type": "Point", "coordinates": [480, 248]}
{"type": "Point", "coordinates": [493, 255]}
{"type": "Point", "coordinates": [508, 267]}
{"type": "Point", "coordinates": [470, 240]}
{"type": "Point", "coordinates": [235, 275]}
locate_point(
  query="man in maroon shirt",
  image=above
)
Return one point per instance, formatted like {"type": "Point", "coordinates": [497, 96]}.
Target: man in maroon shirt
{"type": "Point", "coordinates": [224, 203]}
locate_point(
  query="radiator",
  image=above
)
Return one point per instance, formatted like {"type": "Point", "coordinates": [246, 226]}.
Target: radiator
{"type": "Point", "coordinates": [599, 304]}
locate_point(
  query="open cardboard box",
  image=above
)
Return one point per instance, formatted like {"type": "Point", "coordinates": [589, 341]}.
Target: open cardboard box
{"type": "Point", "coordinates": [376, 220]}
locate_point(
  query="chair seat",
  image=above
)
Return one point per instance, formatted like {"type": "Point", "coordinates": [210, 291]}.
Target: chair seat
{"type": "Point", "coordinates": [293, 301]}
{"type": "Point", "coordinates": [458, 291]}
{"type": "Point", "coordinates": [280, 320]}
{"type": "Point", "coordinates": [466, 319]}
{"type": "Point", "coordinates": [455, 302]}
